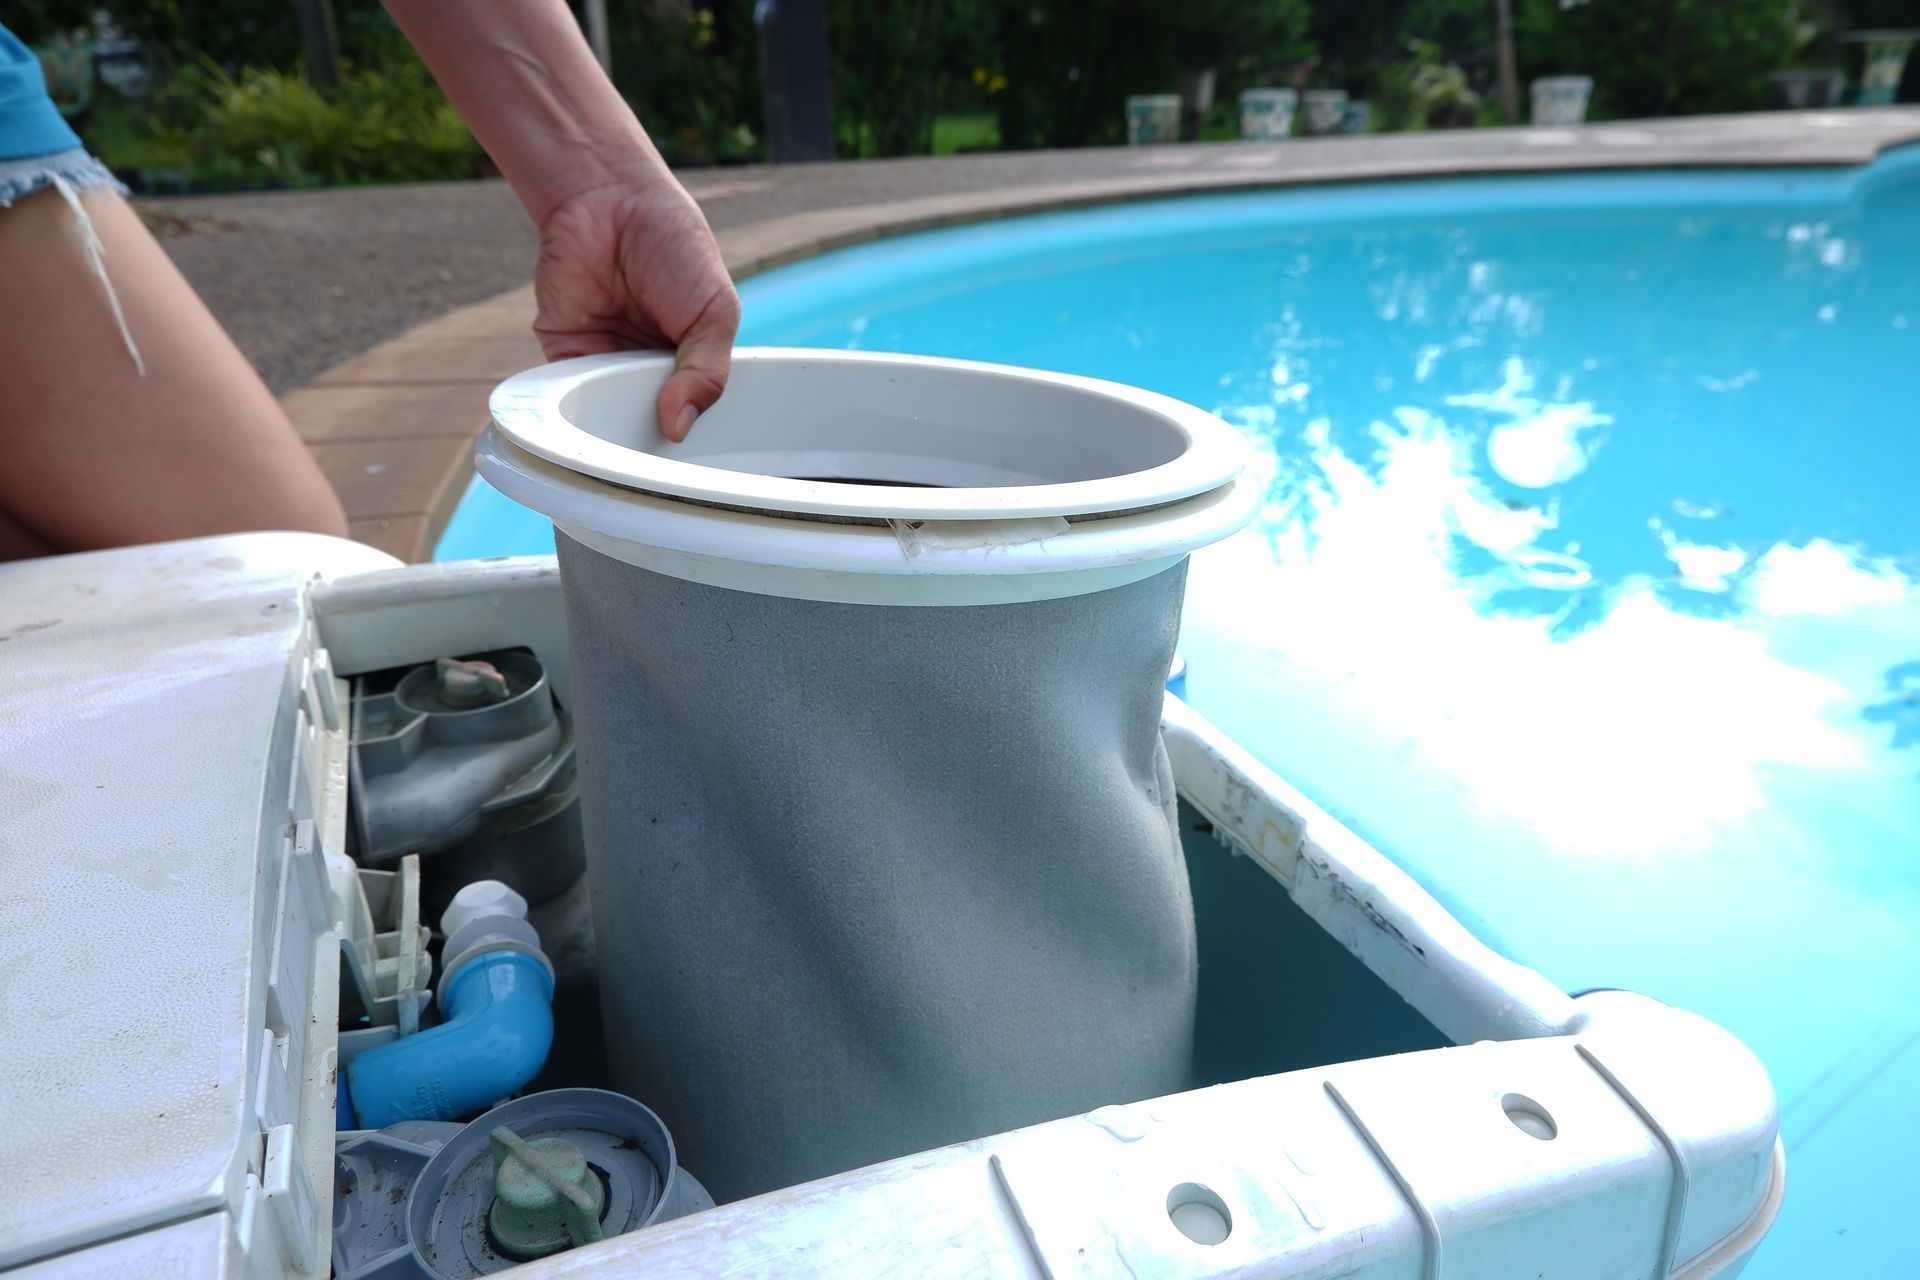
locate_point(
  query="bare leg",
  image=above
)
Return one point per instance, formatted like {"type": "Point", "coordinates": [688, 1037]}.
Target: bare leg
{"type": "Point", "coordinates": [94, 455]}
{"type": "Point", "coordinates": [18, 542]}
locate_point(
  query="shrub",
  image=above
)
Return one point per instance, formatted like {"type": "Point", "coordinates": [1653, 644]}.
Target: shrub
{"type": "Point", "coordinates": [386, 125]}
{"type": "Point", "coordinates": [230, 32]}
{"type": "Point", "coordinates": [1661, 57]}
{"type": "Point", "coordinates": [1069, 66]}
{"type": "Point", "coordinates": [1425, 92]}
{"type": "Point", "coordinates": [231, 125]}
{"type": "Point", "coordinates": [1237, 35]}
{"type": "Point", "coordinates": [263, 127]}
{"type": "Point", "coordinates": [692, 76]}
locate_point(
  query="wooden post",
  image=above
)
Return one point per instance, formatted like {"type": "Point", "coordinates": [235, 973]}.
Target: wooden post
{"type": "Point", "coordinates": [595, 14]}
{"type": "Point", "coordinates": [318, 39]}
{"type": "Point", "coordinates": [1503, 37]}
{"type": "Point", "coordinates": [795, 79]}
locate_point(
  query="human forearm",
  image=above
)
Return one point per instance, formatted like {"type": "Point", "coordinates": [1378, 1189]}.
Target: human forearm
{"type": "Point", "coordinates": [521, 75]}
{"type": "Point", "coordinates": [626, 258]}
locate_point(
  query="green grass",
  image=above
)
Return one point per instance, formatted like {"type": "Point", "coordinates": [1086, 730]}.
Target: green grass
{"type": "Point", "coordinates": [971, 132]}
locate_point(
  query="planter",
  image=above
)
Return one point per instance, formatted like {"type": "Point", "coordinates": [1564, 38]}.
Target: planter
{"type": "Point", "coordinates": [1801, 89]}
{"type": "Point", "coordinates": [68, 70]}
{"type": "Point", "coordinates": [1884, 63]}
{"type": "Point", "coordinates": [1326, 108]}
{"type": "Point", "coordinates": [1358, 117]}
{"type": "Point", "coordinates": [1560, 102]}
{"type": "Point", "coordinates": [1153, 118]}
{"type": "Point", "coordinates": [1267, 114]}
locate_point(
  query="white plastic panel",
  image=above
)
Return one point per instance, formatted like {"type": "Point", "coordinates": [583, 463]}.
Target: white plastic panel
{"type": "Point", "coordinates": [902, 562]}
{"type": "Point", "coordinates": [1358, 895]}
{"type": "Point", "coordinates": [1405, 1168]}
{"type": "Point", "coordinates": [155, 774]}
{"type": "Point", "coordinates": [202, 1248]}
{"type": "Point", "coordinates": [962, 440]}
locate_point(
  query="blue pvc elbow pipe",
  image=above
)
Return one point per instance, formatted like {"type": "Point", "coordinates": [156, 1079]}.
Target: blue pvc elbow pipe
{"type": "Point", "coordinates": [498, 1030]}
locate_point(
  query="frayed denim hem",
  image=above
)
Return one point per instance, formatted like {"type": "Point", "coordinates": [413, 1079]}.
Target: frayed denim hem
{"type": "Point", "coordinates": [21, 178]}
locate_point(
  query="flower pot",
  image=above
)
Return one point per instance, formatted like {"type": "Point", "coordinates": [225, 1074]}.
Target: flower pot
{"type": "Point", "coordinates": [1267, 114]}
{"type": "Point", "coordinates": [1153, 118]}
{"type": "Point", "coordinates": [1326, 108]}
{"type": "Point", "coordinates": [1802, 88]}
{"type": "Point", "coordinates": [1561, 101]}
{"type": "Point", "coordinates": [1885, 63]}
{"type": "Point", "coordinates": [67, 68]}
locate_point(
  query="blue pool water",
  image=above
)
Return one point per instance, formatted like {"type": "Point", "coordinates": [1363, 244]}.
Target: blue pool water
{"type": "Point", "coordinates": [1586, 586]}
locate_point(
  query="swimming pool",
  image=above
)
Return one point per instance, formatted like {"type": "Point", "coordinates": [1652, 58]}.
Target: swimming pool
{"type": "Point", "coordinates": [1586, 585]}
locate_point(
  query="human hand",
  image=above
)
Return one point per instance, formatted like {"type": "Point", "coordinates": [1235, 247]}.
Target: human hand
{"type": "Point", "coordinates": [635, 265]}
{"type": "Point", "coordinates": [626, 257]}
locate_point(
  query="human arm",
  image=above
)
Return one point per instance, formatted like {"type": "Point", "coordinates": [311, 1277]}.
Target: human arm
{"type": "Point", "coordinates": [626, 257]}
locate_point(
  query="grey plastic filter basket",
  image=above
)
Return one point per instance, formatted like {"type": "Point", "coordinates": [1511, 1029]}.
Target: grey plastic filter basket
{"type": "Point", "coordinates": [880, 831]}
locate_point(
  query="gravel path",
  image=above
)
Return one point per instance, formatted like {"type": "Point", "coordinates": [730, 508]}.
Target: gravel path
{"type": "Point", "coordinates": [304, 280]}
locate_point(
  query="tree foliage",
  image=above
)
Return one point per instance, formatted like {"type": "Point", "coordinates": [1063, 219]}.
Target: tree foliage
{"type": "Point", "coordinates": [1056, 73]}
{"type": "Point", "coordinates": [1662, 57]}
{"type": "Point", "coordinates": [692, 75]}
{"type": "Point", "coordinates": [890, 60]}
{"type": "Point", "coordinates": [1236, 33]}
{"type": "Point", "coordinates": [178, 33]}
{"type": "Point", "coordinates": [1069, 66]}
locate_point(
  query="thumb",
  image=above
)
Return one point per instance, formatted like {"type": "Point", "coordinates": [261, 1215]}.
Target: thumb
{"type": "Point", "coordinates": [701, 364]}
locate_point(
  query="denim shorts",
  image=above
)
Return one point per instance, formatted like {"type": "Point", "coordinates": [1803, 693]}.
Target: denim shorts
{"type": "Point", "coordinates": [21, 178]}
